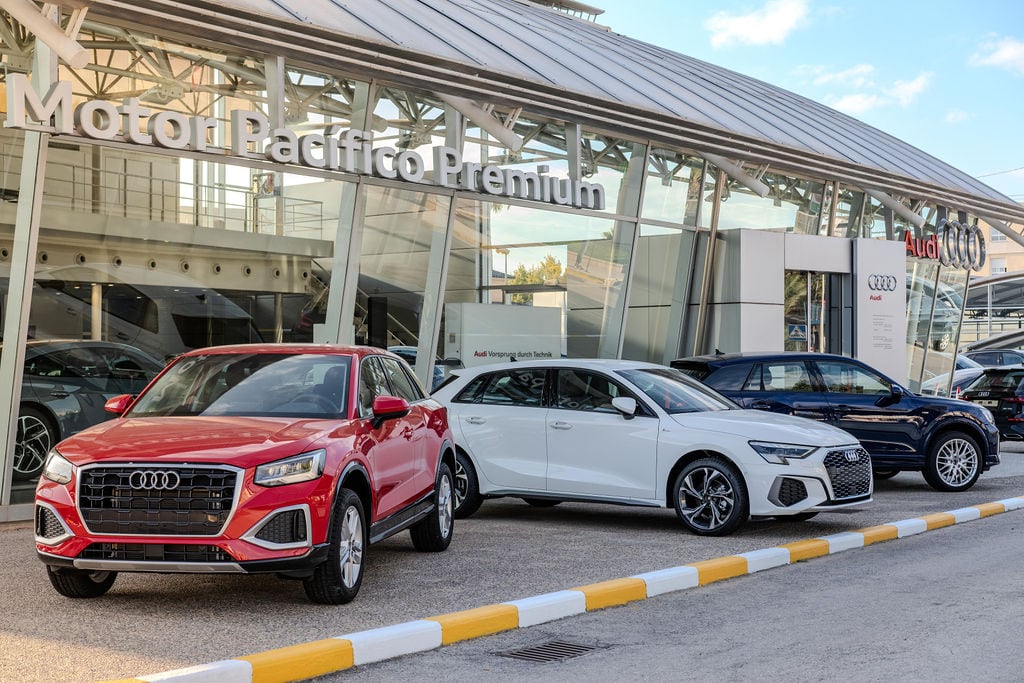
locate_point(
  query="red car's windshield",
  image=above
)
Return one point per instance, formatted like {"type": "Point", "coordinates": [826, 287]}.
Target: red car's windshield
{"type": "Point", "coordinates": [257, 385]}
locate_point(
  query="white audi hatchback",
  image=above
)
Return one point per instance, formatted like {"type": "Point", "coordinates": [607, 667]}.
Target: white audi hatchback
{"type": "Point", "coordinates": [634, 433]}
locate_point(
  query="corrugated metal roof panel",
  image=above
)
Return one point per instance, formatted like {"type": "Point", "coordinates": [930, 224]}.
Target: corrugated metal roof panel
{"type": "Point", "coordinates": [528, 42]}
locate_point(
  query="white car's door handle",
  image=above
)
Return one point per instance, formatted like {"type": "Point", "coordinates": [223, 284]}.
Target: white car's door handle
{"type": "Point", "coordinates": [476, 420]}
{"type": "Point", "coordinates": [561, 425]}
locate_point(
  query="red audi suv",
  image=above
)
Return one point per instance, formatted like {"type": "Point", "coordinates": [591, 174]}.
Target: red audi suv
{"type": "Point", "coordinates": [288, 459]}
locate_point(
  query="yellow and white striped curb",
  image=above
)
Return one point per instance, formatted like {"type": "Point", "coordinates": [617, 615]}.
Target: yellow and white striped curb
{"type": "Point", "coordinates": [309, 660]}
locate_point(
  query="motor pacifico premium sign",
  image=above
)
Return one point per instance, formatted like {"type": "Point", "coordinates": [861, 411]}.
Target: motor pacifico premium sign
{"type": "Point", "coordinates": [336, 149]}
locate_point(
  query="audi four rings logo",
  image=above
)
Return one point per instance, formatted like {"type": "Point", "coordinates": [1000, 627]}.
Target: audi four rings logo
{"type": "Point", "coordinates": [963, 246]}
{"type": "Point", "coordinates": [154, 480]}
{"type": "Point", "coordinates": [852, 456]}
{"type": "Point", "coordinates": [954, 244]}
{"type": "Point", "coordinates": [882, 283]}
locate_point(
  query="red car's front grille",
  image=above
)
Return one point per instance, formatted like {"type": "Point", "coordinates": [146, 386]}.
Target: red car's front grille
{"type": "Point", "coordinates": [155, 552]}
{"type": "Point", "coordinates": [156, 500]}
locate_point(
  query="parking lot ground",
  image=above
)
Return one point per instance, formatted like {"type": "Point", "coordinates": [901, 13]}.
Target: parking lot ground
{"type": "Point", "coordinates": [507, 551]}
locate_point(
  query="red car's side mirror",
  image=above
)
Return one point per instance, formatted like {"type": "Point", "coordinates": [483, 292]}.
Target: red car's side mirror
{"type": "Point", "coordinates": [388, 408]}
{"type": "Point", "coordinates": [118, 404]}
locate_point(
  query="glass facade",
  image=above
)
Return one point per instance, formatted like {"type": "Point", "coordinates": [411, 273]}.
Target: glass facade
{"type": "Point", "coordinates": [352, 232]}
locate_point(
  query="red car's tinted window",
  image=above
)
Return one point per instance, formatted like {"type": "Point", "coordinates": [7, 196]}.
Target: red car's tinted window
{"type": "Point", "coordinates": [260, 385]}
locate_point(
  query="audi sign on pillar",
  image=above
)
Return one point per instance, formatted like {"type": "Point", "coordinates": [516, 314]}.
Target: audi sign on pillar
{"type": "Point", "coordinates": [882, 283]}
{"type": "Point", "coordinates": [954, 245]}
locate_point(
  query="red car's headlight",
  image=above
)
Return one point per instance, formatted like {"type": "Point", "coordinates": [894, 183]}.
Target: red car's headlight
{"type": "Point", "coordinates": [305, 467]}
{"type": "Point", "coordinates": [57, 468]}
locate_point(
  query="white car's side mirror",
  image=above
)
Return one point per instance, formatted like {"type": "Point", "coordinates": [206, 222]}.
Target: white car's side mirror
{"type": "Point", "coordinates": [625, 405]}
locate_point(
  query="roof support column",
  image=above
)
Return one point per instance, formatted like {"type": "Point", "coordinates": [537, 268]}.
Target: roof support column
{"type": "Point", "coordinates": [348, 238]}
{"type": "Point", "coordinates": [23, 259]}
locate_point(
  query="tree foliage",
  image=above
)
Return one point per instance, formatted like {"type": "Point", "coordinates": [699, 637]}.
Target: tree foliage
{"type": "Point", "coordinates": [548, 271]}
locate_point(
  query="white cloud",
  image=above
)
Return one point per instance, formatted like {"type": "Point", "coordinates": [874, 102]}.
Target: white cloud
{"type": "Point", "coordinates": [770, 25]}
{"type": "Point", "coordinates": [954, 116]}
{"type": "Point", "coordinates": [854, 90]}
{"type": "Point", "coordinates": [906, 92]}
{"type": "Point", "coordinates": [1005, 53]}
{"type": "Point", "coordinates": [856, 103]}
{"type": "Point", "coordinates": [858, 76]}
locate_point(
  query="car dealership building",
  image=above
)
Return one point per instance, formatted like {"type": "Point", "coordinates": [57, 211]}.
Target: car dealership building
{"type": "Point", "coordinates": [477, 179]}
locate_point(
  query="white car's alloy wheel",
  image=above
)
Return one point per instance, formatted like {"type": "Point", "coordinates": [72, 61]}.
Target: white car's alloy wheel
{"type": "Point", "coordinates": [710, 498]}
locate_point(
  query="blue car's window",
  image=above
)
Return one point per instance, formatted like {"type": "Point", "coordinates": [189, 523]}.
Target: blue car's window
{"type": "Point", "coordinates": [780, 376]}
{"type": "Point", "coordinates": [730, 377]}
{"type": "Point", "coordinates": [258, 385]}
{"type": "Point", "coordinates": [847, 378]}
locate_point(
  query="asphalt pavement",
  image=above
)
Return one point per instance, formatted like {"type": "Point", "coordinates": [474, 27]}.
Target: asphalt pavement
{"type": "Point", "coordinates": [507, 551]}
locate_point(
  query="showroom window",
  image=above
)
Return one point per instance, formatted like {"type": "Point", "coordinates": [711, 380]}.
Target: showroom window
{"type": "Point", "coordinates": [568, 268]}
{"type": "Point", "coordinates": [792, 205]}
{"type": "Point", "coordinates": [403, 238]}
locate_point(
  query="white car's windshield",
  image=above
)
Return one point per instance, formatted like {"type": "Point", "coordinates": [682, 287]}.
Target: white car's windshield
{"type": "Point", "coordinates": [263, 385]}
{"type": "Point", "coordinates": [675, 392]}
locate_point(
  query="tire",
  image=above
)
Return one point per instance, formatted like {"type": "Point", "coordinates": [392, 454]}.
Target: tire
{"type": "Point", "coordinates": [36, 436]}
{"type": "Point", "coordinates": [541, 502]}
{"type": "Point", "coordinates": [798, 517]}
{"type": "Point", "coordinates": [434, 534]}
{"type": "Point", "coordinates": [884, 474]}
{"type": "Point", "coordinates": [467, 487]}
{"type": "Point", "coordinates": [337, 581]}
{"type": "Point", "coordinates": [953, 462]}
{"type": "Point", "coordinates": [710, 497]}
{"type": "Point", "coordinates": [80, 583]}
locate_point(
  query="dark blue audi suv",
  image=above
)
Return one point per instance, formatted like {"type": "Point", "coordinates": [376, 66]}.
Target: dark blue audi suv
{"type": "Point", "coordinates": [950, 441]}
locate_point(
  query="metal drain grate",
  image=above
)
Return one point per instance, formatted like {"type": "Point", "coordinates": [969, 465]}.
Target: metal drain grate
{"type": "Point", "coordinates": [554, 651]}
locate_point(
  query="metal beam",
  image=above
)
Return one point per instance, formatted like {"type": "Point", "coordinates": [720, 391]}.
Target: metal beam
{"type": "Point", "coordinates": [737, 173]}
{"type": "Point", "coordinates": [28, 15]}
{"type": "Point", "coordinates": [899, 208]}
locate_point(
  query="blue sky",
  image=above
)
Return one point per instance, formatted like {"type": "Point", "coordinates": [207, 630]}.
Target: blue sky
{"type": "Point", "coordinates": [946, 76]}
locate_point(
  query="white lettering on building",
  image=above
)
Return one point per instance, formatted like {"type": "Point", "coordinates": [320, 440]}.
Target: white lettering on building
{"type": "Point", "coordinates": [252, 137]}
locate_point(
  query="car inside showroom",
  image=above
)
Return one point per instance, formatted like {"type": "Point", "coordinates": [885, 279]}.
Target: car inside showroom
{"type": "Point", "coordinates": [472, 185]}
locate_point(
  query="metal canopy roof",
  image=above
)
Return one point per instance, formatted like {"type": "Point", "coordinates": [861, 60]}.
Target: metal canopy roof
{"type": "Point", "coordinates": [528, 55]}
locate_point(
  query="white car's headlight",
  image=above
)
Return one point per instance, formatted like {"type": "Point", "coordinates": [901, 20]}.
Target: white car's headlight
{"type": "Point", "coordinates": [779, 453]}
{"type": "Point", "coordinates": [57, 468]}
{"type": "Point", "coordinates": [292, 470]}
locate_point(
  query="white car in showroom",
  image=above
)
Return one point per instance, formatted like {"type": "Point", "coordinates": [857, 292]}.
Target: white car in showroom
{"type": "Point", "coordinates": [634, 433]}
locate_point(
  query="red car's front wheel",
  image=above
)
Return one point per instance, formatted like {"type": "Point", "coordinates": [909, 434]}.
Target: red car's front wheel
{"type": "Point", "coordinates": [337, 581]}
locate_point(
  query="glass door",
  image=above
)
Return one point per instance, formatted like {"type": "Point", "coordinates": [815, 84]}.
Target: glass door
{"type": "Point", "coordinates": [810, 323]}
